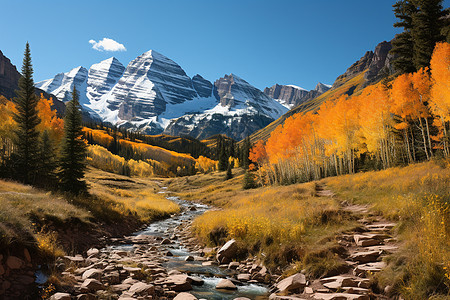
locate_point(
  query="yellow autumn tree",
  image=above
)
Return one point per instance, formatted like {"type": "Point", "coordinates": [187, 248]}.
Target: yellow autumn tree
{"type": "Point", "coordinates": [440, 92]}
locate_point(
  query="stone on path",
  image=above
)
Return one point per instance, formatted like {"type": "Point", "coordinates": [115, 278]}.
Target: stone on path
{"type": "Point", "coordinates": [365, 257]}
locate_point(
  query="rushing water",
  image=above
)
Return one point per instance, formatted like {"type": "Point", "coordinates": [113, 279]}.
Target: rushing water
{"type": "Point", "coordinates": [210, 274]}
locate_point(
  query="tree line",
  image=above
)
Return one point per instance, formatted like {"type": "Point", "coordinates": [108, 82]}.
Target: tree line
{"type": "Point", "coordinates": [37, 147]}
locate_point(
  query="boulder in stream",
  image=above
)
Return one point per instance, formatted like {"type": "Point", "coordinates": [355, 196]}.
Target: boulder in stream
{"type": "Point", "coordinates": [227, 252]}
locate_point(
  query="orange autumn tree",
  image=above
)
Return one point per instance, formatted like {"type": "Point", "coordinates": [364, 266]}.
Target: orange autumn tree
{"type": "Point", "coordinates": [375, 121]}
{"type": "Point", "coordinates": [49, 120]}
{"type": "Point", "coordinates": [7, 126]}
{"type": "Point", "coordinates": [440, 91]}
{"type": "Point", "coordinates": [338, 123]}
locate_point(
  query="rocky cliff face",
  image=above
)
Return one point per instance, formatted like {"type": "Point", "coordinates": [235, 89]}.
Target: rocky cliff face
{"type": "Point", "coordinates": [203, 87]}
{"type": "Point", "coordinates": [292, 96]}
{"type": "Point", "coordinates": [9, 77]}
{"type": "Point", "coordinates": [375, 64]}
{"type": "Point", "coordinates": [9, 83]}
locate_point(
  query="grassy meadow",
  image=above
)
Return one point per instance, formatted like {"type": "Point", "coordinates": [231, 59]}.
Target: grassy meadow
{"type": "Point", "coordinates": [290, 228]}
{"type": "Point", "coordinates": [284, 224]}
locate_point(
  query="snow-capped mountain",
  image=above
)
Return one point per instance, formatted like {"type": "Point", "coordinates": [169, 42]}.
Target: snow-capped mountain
{"type": "Point", "coordinates": [242, 109]}
{"type": "Point", "coordinates": [153, 94]}
{"type": "Point", "coordinates": [291, 95]}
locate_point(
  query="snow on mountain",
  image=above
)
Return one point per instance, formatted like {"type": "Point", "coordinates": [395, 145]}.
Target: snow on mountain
{"type": "Point", "coordinates": [153, 94]}
{"type": "Point", "coordinates": [296, 87]}
{"type": "Point", "coordinates": [62, 85]}
{"type": "Point", "coordinates": [241, 110]}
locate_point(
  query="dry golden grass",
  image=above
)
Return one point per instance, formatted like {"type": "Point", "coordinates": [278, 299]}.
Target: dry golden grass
{"type": "Point", "coordinates": [418, 197]}
{"type": "Point", "coordinates": [125, 195]}
{"type": "Point", "coordinates": [282, 223]}
{"type": "Point", "coordinates": [24, 208]}
{"type": "Point", "coordinates": [27, 213]}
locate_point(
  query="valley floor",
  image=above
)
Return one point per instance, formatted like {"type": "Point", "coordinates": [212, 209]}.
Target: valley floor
{"type": "Point", "coordinates": [386, 232]}
{"type": "Point", "coordinates": [295, 228]}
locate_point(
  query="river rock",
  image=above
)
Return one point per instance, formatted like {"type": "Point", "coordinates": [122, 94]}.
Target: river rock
{"type": "Point", "coordinates": [195, 280]}
{"type": "Point", "coordinates": [185, 296]}
{"type": "Point", "coordinates": [86, 297]}
{"type": "Point", "coordinates": [226, 284]}
{"type": "Point", "coordinates": [27, 255]}
{"type": "Point", "coordinates": [293, 283]}
{"type": "Point", "coordinates": [166, 241]}
{"type": "Point", "coordinates": [142, 289]}
{"type": "Point", "coordinates": [227, 252]}
{"type": "Point", "coordinates": [243, 277]}
{"type": "Point", "coordinates": [233, 265]}
{"type": "Point", "coordinates": [92, 273]}
{"type": "Point", "coordinates": [93, 252]}
{"type": "Point", "coordinates": [189, 258]}
{"type": "Point", "coordinates": [14, 262]}
{"type": "Point", "coordinates": [60, 296]}
{"type": "Point", "coordinates": [340, 296]}
{"type": "Point", "coordinates": [92, 285]}
{"type": "Point", "coordinates": [179, 283]}
{"type": "Point", "coordinates": [120, 287]}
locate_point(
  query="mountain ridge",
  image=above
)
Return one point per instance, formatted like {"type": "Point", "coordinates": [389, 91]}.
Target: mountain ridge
{"type": "Point", "coordinates": [153, 92]}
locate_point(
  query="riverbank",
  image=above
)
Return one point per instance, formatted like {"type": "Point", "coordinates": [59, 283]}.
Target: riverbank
{"type": "Point", "coordinates": [38, 226]}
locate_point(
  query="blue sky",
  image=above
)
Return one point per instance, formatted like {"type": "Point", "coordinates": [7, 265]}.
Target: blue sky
{"type": "Point", "coordinates": [297, 42]}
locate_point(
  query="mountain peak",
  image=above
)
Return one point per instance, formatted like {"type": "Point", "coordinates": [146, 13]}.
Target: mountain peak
{"type": "Point", "coordinates": [322, 87]}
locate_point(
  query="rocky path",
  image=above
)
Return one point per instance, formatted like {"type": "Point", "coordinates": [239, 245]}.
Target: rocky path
{"type": "Point", "coordinates": [364, 247]}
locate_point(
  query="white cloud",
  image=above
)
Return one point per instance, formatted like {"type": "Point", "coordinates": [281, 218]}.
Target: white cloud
{"type": "Point", "coordinates": [107, 45]}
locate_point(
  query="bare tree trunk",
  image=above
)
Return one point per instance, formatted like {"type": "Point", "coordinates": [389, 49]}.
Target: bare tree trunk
{"type": "Point", "coordinates": [424, 138]}
{"type": "Point", "coordinates": [428, 135]}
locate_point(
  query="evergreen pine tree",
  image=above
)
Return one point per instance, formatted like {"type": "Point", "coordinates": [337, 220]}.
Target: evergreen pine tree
{"type": "Point", "coordinates": [249, 181]}
{"type": "Point", "coordinates": [26, 134]}
{"type": "Point", "coordinates": [223, 157]}
{"type": "Point", "coordinates": [73, 150]}
{"type": "Point", "coordinates": [403, 44]}
{"type": "Point", "coordinates": [245, 153]}
{"type": "Point", "coordinates": [229, 174]}
{"type": "Point", "coordinates": [427, 25]}
{"type": "Point", "coordinates": [46, 175]}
